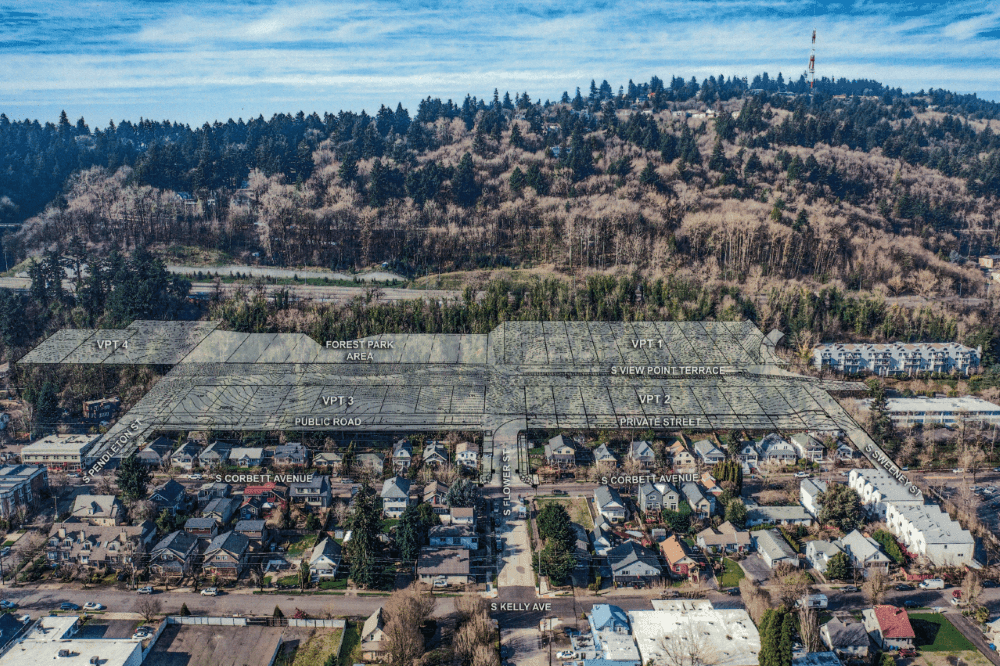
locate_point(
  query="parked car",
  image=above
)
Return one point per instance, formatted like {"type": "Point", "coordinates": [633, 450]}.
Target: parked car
{"type": "Point", "coordinates": [903, 587]}
{"type": "Point", "coordinates": [145, 590]}
{"type": "Point", "coordinates": [210, 592]}
{"type": "Point", "coordinates": [957, 594]}
{"type": "Point", "coordinates": [955, 601]}
{"type": "Point", "coordinates": [850, 588]}
{"type": "Point", "coordinates": [802, 475]}
{"type": "Point", "coordinates": [143, 632]}
{"type": "Point", "coordinates": [958, 470]}
{"type": "Point", "coordinates": [570, 631]}
{"type": "Point", "coordinates": [566, 654]}
{"type": "Point", "coordinates": [559, 492]}
{"type": "Point", "coordinates": [907, 652]}
{"type": "Point", "coordinates": [68, 606]}
{"type": "Point", "coordinates": [93, 606]}
{"type": "Point", "coordinates": [5, 552]}
{"type": "Point", "coordinates": [7, 605]}
{"type": "Point", "coordinates": [910, 603]}
{"type": "Point", "coordinates": [733, 592]}
{"type": "Point", "coordinates": [194, 477]}
{"type": "Point", "coordinates": [932, 584]}
{"type": "Point", "coordinates": [440, 583]}
{"type": "Point", "coordinates": [993, 647]}
{"type": "Point", "coordinates": [989, 583]}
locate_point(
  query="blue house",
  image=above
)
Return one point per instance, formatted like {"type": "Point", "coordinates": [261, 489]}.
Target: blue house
{"type": "Point", "coordinates": [453, 535]}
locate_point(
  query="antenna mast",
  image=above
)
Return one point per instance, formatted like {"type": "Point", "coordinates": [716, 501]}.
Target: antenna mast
{"type": "Point", "coordinates": [812, 64]}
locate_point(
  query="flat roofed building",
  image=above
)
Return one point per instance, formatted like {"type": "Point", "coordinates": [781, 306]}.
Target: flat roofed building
{"type": "Point", "coordinates": [898, 358]}
{"type": "Point", "coordinates": [53, 639]}
{"type": "Point", "coordinates": [64, 452]}
{"type": "Point", "coordinates": [908, 412]}
{"type": "Point", "coordinates": [20, 488]}
{"type": "Point", "coordinates": [725, 637]}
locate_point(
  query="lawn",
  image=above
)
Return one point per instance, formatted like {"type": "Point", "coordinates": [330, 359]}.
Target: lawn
{"type": "Point", "coordinates": [333, 584]}
{"type": "Point", "coordinates": [296, 549]}
{"type": "Point", "coordinates": [577, 508]}
{"type": "Point", "coordinates": [731, 574]}
{"type": "Point", "coordinates": [288, 580]}
{"type": "Point", "coordinates": [318, 648]}
{"type": "Point", "coordinates": [350, 651]}
{"type": "Point", "coordinates": [935, 633]}
{"type": "Point", "coordinates": [388, 524]}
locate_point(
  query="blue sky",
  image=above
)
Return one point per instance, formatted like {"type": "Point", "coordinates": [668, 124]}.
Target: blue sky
{"type": "Point", "coordinates": [203, 61]}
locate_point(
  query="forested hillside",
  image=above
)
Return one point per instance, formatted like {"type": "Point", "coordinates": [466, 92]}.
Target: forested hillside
{"type": "Point", "coordinates": [769, 203]}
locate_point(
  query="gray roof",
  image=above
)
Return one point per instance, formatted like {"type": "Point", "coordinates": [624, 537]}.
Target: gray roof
{"type": "Point", "coordinates": [845, 634]}
{"type": "Point", "coordinates": [325, 548]}
{"type": "Point", "coordinates": [602, 453]}
{"type": "Point", "coordinates": [861, 547]}
{"type": "Point", "coordinates": [171, 491]}
{"type": "Point", "coordinates": [605, 495]}
{"type": "Point", "coordinates": [443, 561]}
{"type": "Point", "coordinates": [813, 486]}
{"type": "Point", "coordinates": [97, 506]}
{"type": "Point", "coordinates": [199, 523]}
{"type": "Point", "coordinates": [692, 493]}
{"type": "Point", "coordinates": [250, 525]}
{"type": "Point", "coordinates": [629, 552]}
{"type": "Point", "coordinates": [773, 514]}
{"type": "Point", "coordinates": [773, 544]}
{"type": "Point", "coordinates": [705, 447]}
{"type": "Point", "coordinates": [232, 542]}
{"type": "Point", "coordinates": [221, 505]}
{"type": "Point", "coordinates": [177, 542]}
{"type": "Point", "coordinates": [641, 448]}
{"type": "Point", "coordinates": [396, 488]}
{"type": "Point", "coordinates": [451, 531]}
{"type": "Point", "coordinates": [648, 489]}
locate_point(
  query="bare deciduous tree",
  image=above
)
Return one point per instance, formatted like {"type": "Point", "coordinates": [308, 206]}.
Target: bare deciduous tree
{"type": "Point", "coordinates": [755, 598]}
{"type": "Point", "coordinates": [687, 646]}
{"type": "Point", "coordinates": [875, 586]}
{"type": "Point", "coordinates": [809, 629]}
{"type": "Point", "coordinates": [149, 607]}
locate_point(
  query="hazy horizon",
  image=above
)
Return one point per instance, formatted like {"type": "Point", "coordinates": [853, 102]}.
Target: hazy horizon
{"type": "Point", "coordinates": [196, 62]}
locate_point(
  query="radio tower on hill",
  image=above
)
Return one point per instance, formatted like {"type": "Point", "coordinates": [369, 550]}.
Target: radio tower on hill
{"type": "Point", "coordinates": [812, 65]}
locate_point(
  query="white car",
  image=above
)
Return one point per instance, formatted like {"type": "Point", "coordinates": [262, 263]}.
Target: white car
{"type": "Point", "coordinates": [566, 654]}
{"type": "Point", "coordinates": [93, 606]}
{"type": "Point", "coordinates": [955, 601]}
{"type": "Point", "coordinates": [194, 477]}
{"type": "Point", "coordinates": [802, 475]}
{"type": "Point", "coordinates": [440, 583]}
{"type": "Point", "coordinates": [210, 592]}
{"type": "Point", "coordinates": [143, 632]}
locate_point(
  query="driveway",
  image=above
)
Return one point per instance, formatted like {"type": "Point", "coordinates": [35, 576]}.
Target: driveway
{"type": "Point", "coordinates": [972, 632]}
{"type": "Point", "coordinates": [755, 568]}
{"type": "Point", "coordinates": [516, 571]}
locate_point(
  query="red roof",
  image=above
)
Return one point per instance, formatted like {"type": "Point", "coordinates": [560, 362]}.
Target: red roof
{"type": "Point", "coordinates": [894, 622]}
{"type": "Point", "coordinates": [259, 490]}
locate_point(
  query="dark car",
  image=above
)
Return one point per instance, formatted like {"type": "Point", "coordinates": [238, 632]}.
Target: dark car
{"type": "Point", "coordinates": [559, 492]}
{"type": "Point", "coordinates": [733, 592]}
{"type": "Point", "coordinates": [989, 583]}
{"type": "Point", "coordinates": [910, 603]}
{"type": "Point", "coordinates": [68, 606]}
{"type": "Point", "coordinates": [903, 587]}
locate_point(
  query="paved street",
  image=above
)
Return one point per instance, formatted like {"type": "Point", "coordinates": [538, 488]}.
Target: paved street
{"type": "Point", "coordinates": [971, 631]}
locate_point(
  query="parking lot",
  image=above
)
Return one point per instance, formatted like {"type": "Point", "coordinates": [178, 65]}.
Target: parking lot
{"type": "Point", "coordinates": [191, 645]}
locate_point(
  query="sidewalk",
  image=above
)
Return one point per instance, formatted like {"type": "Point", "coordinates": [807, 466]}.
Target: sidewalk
{"type": "Point", "coordinates": [975, 636]}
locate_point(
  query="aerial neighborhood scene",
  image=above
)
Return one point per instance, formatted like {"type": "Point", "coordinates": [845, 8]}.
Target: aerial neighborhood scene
{"type": "Point", "coordinates": [472, 334]}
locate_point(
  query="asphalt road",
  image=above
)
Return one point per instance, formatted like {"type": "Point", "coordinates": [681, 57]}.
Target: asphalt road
{"type": "Point", "coordinates": [33, 599]}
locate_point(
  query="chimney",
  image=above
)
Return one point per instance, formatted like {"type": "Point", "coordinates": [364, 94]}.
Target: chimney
{"type": "Point", "coordinates": [62, 532]}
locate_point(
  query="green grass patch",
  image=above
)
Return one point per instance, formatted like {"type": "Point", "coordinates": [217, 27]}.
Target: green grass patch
{"type": "Point", "coordinates": [576, 507]}
{"type": "Point", "coordinates": [731, 573]}
{"type": "Point", "coordinates": [288, 580]}
{"type": "Point", "coordinates": [389, 523]}
{"type": "Point", "coordinates": [935, 633]}
{"type": "Point", "coordinates": [374, 594]}
{"type": "Point", "coordinates": [333, 585]}
{"type": "Point", "coordinates": [296, 549]}
{"type": "Point", "coordinates": [320, 646]}
{"type": "Point", "coordinates": [350, 651]}
{"type": "Point", "coordinates": [8, 542]}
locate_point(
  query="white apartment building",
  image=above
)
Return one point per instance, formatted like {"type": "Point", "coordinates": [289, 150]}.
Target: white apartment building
{"type": "Point", "coordinates": [928, 531]}
{"type": "Point", "coordinates": [878, 488]}
{"type": "Point", "coordinates": [898, 358]}
{"type": "Point", "coordinates": [68, 452]}
{"type": "Point", "coordinates": [908, 412]}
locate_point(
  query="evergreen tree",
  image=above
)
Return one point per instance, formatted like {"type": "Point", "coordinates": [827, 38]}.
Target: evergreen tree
{"type": "Point", "coordinates": [649, 177]}
{"type": "Point", "coordinates": [277, 612]}
{"type": "Point", "coordinates": [840, 506]}
{"type": "Point", "coordinates": [409, 535]}
{"type": "Point", "coordinates": [46, 410]}
{"type": "Point", "coordinates": [516, 139]}
{"type": "Point", "coordinates": [185, 611]}
{"type": "Point", "coordinates": [133, 477]}
{"type": "Point", "coordinates": [718, 160]}
{"type": "Point", "coordinates": [517, 179]}
{"type": "Point", "coordinates": [348, 170]}
{"type": "Point", "coordinates": [785, 640]}
{"type": "Point", "coordinates": [463, 493]}
{"type": "Point", "coordinates": [555, 561]}
{"type": "Point", "coordinates": [578, 100]}
{"type": "Point", "coordinates": [464, 186]}
{"type": "Point", "coordinates": [554, 524]}
{"type": "Point", "coordinates": [838, 567]}
{"type": "Point", "coordinates": [736, 513]}
{"type": "Point", "coordinates": [364, 546]}
{"type": "Point", "coordinates": [880, 425]}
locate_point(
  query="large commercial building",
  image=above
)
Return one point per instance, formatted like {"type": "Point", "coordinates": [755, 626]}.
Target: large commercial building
{"type": "Point", "coordinates": [53, 640]}
{"type": "Point", "coordinates": [694, 631]}
{"type": "Point", "coordinates": [61, 452]}
{"type": "Point", "coordinates": [898, 358]}
{"type": "Point", "coordinates": [20, 487]}
{"type": "Point", "coordinates": [908, 412]}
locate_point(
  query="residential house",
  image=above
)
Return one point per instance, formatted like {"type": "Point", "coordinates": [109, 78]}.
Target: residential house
{"type": "Point", "coordinates": [271, 492]}
{"type": "Point", "coordinates": [216, 453]}
{"type": "Point", "coordinates": [467, 454]}
{"type": "Point", "coordinates": [749, 453]}
{"type": "Point", "coordinates": [847, 637]}
{"type": "Point", "coordinates": [601, 539]}
{"type": "Point", "coordinates": [292, 453]}
{"type": "Point", "coordinates": [246, 456]}
{"type": "Point", "coordinates": [773, 548]}
{"type": "Point", "coordinates": [726, 539]}
{"type": "Point", "coordinates": [708, 452]}
{"type": "Point", "coordinates": [435, 453]}
{"type": "Point", "coordinates": [434, 494]}
{"type": "Point", "coordinates": [402, 455]}
{"type": "Point", "coordinates": [777, 515]}
{"type": "Point", "coordinates": [316, 493]}
{"type": "Point", "coordinates": [372, 461]}
{"type": "Point", "coordinates": [256, 531]}
{"type": "Point", "coordinates": [174, 554]}
{"type": "Point", "coordinates": [889, 627]}
{"type": "Point", "coordinates": [613, 644]}
{"type": "Point", "coordinates": [226, 556]}
{"type": "Point", "coordinates": [101, 410]}
{"type": "Point", "coordinates": [650, 499]}
{"type": "Point", "coordinates": [808, 446]}
{"type": "Point", "coordinates": [221, 509]}
{"type": "Point", "coordinates": [865, 552]}
{"type": "Point", "coordinates": [213, 490]}
{"type": "Point", "coordinates": [448, 565]}
{"type": "Point", "coordinates": [203, 528]}
{"type": "Point", "coordinates": [170, 496]}
{"type": "Point", "coordinates": [252, 508]}
{"type": "Point", "coordinates": [395, 496]}
{"type": "Point", "coordinates": [680, 458]}
{"type": "Point", "coordinates": [97, 510]}
{"type": "Point", "coordinates": [702, 506]}
{"type": "Point", "coordinates": [560, 452]}
{"type": "Point", "coordinates": [847, 453]}
{"type": "Point", "coordinates": [97, 546]}
{"type": "Point", "coordinates": [442, 536]}
{"type": "Point", "coordinates": [603, 455]}
{"type": "Point", "coordinates": [609, 504]}
{"type": "Point", "coordinates": [186, 457]}
{"type": "Point", "coordinates": [809, 490]}
{"type": "Point", "coordinates": [324, 560]}
{"type": "Point", "coordinates": [372, 635]}
{"type": "Point", "coordinates": [642, 452]}
{"type": "Point", "coordinates": [928, 531]}
{"type": "Point", "coordinates": [671, 496]}
{"type": "Point", "coordinates": [333, 460]}
{"type": "Point", "coordinates": [156, 453]}
{"type": "Point", "coordinates": [819, 552]}
{"type": "Point", "coordinates": [776, 449]}
{"type": "Point", "coordinates": [879, 489]}
{"type": "Point", "coordinates": [679, 561]}
{"type": "Point", "coordinates": [631, 564]}
{"type": "Point", "coordinates": [461, 515]}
